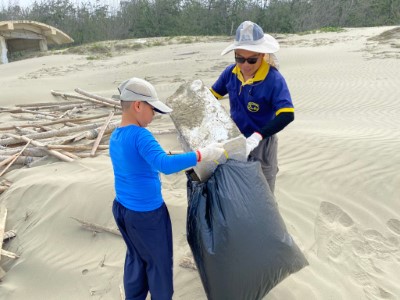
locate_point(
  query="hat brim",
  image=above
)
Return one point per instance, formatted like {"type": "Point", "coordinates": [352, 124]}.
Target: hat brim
{"type": "Point", "coordinates": [157, 104]}
{"type": "Point", "coordinates": [269, 45]}
{"type": "Point", "coordinates": [160, 106]}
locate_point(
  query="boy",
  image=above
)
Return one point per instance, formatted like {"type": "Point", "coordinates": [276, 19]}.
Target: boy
{"type": "Point", "coordinates": [139, 209]}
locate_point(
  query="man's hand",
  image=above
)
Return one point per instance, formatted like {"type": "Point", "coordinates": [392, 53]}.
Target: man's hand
{"type": "Point", "coordinates": [252, 142]}
{"type": "Point", "coordinates": [211, 152]}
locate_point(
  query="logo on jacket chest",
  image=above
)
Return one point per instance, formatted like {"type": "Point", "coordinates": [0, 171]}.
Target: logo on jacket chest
{"type": "Point", "coordinates": [253, 107]}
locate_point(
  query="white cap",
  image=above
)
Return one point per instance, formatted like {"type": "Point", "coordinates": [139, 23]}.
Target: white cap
{"type": "Point", "coordinates": [136, 89]}
{"type": "Point", "coordinates": [251, 37]}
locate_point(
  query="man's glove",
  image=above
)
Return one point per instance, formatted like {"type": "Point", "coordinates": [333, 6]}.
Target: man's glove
{"type": "Point", "coordinates": [252, 142]}
{"type": "Point", "coordinates": [211, 152]}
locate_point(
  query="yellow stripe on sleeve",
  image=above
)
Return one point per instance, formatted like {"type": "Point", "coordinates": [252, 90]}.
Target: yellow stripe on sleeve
{"type": "Point", "coordinates": [218, 96]}
{"type": "Point", "coordinates": [286, 109]}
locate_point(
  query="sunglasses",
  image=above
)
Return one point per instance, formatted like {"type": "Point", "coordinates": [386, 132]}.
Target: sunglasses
{"type": "Point", "coordinates": [242, 60]}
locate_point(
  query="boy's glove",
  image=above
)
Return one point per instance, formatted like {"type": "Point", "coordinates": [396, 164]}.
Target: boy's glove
{"type": "Point", "coordinates": [252, 142]}
{"type": "Point", "coordinates": [211, 152]}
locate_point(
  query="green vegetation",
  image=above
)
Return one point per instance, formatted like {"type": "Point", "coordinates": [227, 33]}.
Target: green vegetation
{"type": "Point", "coordinates": [331, 29]}
{"type": "Point", "coordinates": [90, 22]}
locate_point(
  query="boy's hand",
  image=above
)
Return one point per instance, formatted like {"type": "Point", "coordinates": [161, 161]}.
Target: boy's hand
{"type": "Point", "coordinates": [211, 152]}
{"type": "Point", "coordinates": [252, 142]}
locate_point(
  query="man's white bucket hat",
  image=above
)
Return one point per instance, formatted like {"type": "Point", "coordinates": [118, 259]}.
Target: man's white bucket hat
{"type": "Point", "coordinates": [136, 89]}
{"type": "Point", "coordinates": [251, 37]}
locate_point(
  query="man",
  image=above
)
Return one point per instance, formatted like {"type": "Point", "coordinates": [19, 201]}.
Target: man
{"type": "Point", "coordinates": [260, 101]}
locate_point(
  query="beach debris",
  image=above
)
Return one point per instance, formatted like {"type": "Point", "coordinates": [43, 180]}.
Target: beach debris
{"type": "Point", "coordinates": [4, 185]}
{"type": "Point", "coordinates": [78, 126]}
{"type": "Point", "coordinates": [3, 216]}
{"type": "Point", "coordinates": [201, 120]}
{"type": "Point", "coordinates": [9, 235]}
{"type": "Point", "coordinates": [101, 133]}
{"type": "Point", "coordinates": [96, 227]}
{"type": "Point", "coordinates": [67, 130]}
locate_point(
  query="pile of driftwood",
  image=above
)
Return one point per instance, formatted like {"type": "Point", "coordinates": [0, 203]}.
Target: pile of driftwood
{"type": "Point", "coordinates": [66, 130]}
{"type": "Point", "coordinates": [77, 126]}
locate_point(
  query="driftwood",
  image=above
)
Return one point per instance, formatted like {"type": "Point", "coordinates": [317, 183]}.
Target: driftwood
{"type": "Point", "coordinates": [3, 216]}
{"type": "Point", "coordinates": [15, 158]}
{"type": "Point", "coordinates": [101, 133]}
{"type": "Point", "coordinates": [21, 160]}
{"type": "Point", "coordinates": [97, 228]}
{"type": "Point", "coordinates": [9, 254]}
{"type": "Point", "coordinates": [97, 97]}
{"type": "Point", "coordinates": [74, 120]}
{"type": "Point", "coordinates": [38, 144]}
{"type": "Point", "coordinates": [77, 147]}
{"type": "Point", "coordinates": [33, 112]}
{"type": "Point", "coordinates": [46, 104]}
{"type": "Point", "coordinates": [9, 235]}
{"type": "Point", "coordinates": [80, 121]}
{"type": "Point", "coordinates": [53, 133]}
{"type": "Point", "coordinates": [114, 104]}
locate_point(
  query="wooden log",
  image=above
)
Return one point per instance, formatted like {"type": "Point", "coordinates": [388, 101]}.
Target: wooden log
{"type": "Point", "coordinates": [48, 104]}
{"type": "Point", "coordinates": [69, 154]}
{"type": "Point", "coordinates": [77, 147]}
{"type": "Point", "coordinates": [9, 254]}
{"type": "Point", "coordinates": [87, 154]}
{"type": "Point", "coordinates": [92, 134]}
{"type": "Point", "coordinates": [97, 97]}
{"type": "Point", "coordinates": [7, 159]}
{"type": "Point", "coordinates": [36, 152]}
{"type": "Point", "coordinates": [24, 131]}
{"type": "Point", "coordinates": [96, 228]}
{"type": "Point", "coordinates": [48, 134]}
{"type": "Point", "coordinates": [101, 133]}
{"type": "Point", "coordinates": [14, 159]}
{"type": "Point", "coordinates": [23, 160]}
{"type": "Point", "coordinates": [75, 120]}
{"type": "Point", "coordinates": [38, 144]}
{"type": "Point", "coordinates": [96, 101]}
{"type": "Point", "coordinates": [9, 235]}
{"type": "Point", "coordinates": [33, 112]}
{"type": "Point", "coordinates": [5, 182]}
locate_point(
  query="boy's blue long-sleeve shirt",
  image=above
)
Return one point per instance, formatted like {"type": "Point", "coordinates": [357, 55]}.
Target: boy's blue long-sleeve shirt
{"type": "Point", "coordinates": [137, 159]}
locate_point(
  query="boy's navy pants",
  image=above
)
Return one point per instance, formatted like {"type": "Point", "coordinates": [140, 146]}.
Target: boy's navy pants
{"type": "Point", "coordinates": [148, 261]}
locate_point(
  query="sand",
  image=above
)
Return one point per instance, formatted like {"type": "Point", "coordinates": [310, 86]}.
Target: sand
{"type": "Point", "coordinates": [337, 189]}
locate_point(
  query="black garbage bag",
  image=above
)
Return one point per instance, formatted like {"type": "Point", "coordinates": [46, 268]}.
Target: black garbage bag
{"type": "Point", "coordinates": [237, 236]}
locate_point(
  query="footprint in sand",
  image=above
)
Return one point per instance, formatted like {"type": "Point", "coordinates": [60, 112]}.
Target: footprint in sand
{"type": "Point", "coordinates": [394, 225]}
{"type": "Point", "coordinates": [362, 252]}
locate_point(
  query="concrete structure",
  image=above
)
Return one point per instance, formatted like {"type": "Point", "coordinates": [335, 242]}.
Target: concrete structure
{"type": "Point", "coordinates": [28, 35]}
{"type": "Point", "coordinates": [201, 120]}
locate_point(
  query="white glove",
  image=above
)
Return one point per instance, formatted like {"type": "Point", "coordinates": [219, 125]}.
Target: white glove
{"type": "Point", "coordinates": [211, 152]}
{"type": "Point", "coordinates": [252, 142]}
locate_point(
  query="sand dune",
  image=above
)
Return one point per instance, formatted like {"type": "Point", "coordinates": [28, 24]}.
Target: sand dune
{"type": "Point", "coordinates": [337, 189]}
